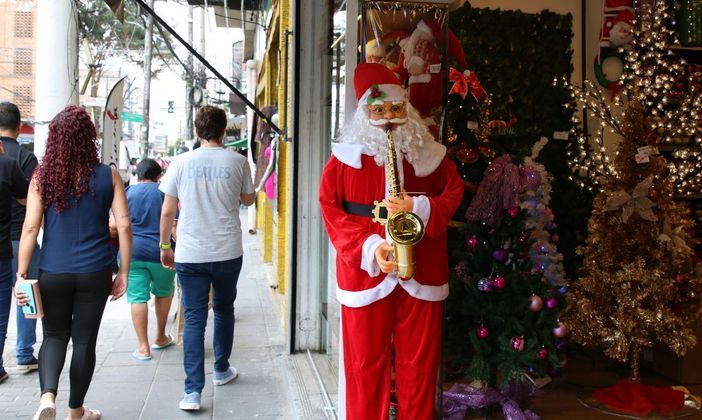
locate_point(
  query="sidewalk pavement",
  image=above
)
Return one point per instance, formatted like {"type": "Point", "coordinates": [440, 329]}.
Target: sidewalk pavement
{"type": "Point", "coordinates": [125, 388]}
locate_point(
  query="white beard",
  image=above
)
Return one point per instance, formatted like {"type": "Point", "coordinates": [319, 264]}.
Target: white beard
{"type": "Point", "coordinates": [409, 137]}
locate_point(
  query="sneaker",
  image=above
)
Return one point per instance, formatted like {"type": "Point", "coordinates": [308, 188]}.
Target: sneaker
{"type": "Point", "coordinates": [190, 401]}
{"type": "Point", "coordinates": [221, 378]}
{"type": "Point", "coordinates": [3, 375]}
{"type": "Point", "coordinates": [30, 366]}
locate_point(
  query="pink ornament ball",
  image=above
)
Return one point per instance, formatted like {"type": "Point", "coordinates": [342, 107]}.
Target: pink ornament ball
{"type": "Point", "coordinates": [472, 242]}
{"type": "Point", "coordinates": [680, 279]}
{"type": "Point", "coordinates": [548, 212]}
{"type": "Point", "coordinates": [555, 238]}
{"type": "Point", "coordinates": [518, 343]}
{"type": "Point", "coordinates": [536, 303]}
{"type": "Point", "coordinates": [483, 333]}
{"type": "Point", "coordinates": [561, 330]}
{"type": "Point", "coordinates": [552, 303]}
{"type": "Point", "coordinates": [543, 353]}
{"type": "Point", "coordinates": [499, 282]}
{"type": "Point", "coordinates": [513, 212]}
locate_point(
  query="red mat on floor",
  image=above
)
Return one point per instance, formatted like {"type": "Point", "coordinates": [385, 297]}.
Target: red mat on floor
{"type": "Point", "coordinates": [635, 398]}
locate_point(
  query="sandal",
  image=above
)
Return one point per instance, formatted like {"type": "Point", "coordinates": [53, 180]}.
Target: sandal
{"type": "Point", "coordinates": [88, 414]}
{"type": "Point", "coordinates": [46, 411]}
{"type": "Point", "coordinates": [170, 342]}
{"type": "Point", "coordinates": [139, 356]}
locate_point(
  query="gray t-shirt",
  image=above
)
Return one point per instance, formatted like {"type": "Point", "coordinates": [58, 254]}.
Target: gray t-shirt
{"type": "Point", "coordinates": [208, 183]}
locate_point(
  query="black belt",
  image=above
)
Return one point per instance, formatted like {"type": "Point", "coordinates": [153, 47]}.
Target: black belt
{"type": "Point", "coordinates": [364, 210]}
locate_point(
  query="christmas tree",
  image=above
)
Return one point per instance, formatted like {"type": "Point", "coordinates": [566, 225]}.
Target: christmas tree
{"type": "Point", "coordinates": [640, 284]}
{"type": "Point", "coordinates": [506, 289]}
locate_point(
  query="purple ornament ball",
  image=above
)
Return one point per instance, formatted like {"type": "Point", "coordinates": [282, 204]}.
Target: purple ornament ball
{"type": "Point", "coordinates": [535, 303]}
{"type": "Point", "coordinates": [485, 284]}
{"type": "Point", "coordinates": [554, 372]}
{"type": "Point", "coordinates": [561, 330]}
{"type": "Point", "coordinates": [531, 177]}
{"type": "Point", "coordinates": [499, 282]}
{"type": "Point", "coordinates": [552, 303]}
{"type": "Point", "coordinates": [561, 346]}
{"type": "Point", "coordinates": [500, 255]}
{"type": "Point", "coordinates": [483, 332]}
{"type": "Point", "coordinates": [472, 242]}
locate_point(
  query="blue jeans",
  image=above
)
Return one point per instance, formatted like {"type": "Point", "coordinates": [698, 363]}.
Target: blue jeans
{"type": "Point", "coordinates": [195, 280]}
{"type": "Point", "coordinates": [26, 328]}
{"type": "Point", "coordinates": [6, 279]}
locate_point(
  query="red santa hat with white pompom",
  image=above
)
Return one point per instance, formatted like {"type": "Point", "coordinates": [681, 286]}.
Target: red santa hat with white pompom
{"type": "Point", "coordinates": [375, 83]}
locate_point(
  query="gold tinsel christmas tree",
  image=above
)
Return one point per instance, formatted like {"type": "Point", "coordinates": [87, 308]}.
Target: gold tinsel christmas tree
{"type": "Point", "coordinates": [639, 284]}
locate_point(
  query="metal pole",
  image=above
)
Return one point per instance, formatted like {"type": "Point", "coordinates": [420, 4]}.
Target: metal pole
{"type": "Point", "coordinates": [189, 80]}
{"type": "Point", "coordinates": [203, 70]}
{"type": "Point", "coordinates": [148, 40]}
{"type": "Point", "coordinates": [56, 65]}
{"type": "Point", "coordinates": [207, 64]}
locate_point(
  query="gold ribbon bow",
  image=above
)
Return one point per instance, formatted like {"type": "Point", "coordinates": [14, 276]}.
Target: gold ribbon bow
{"type": "Point", "coordinates": [675, 238]}
{"type": "Point", "coordinates": [636, 202]}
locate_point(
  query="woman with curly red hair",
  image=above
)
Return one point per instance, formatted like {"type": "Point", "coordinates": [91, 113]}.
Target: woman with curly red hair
{"type": "Point", "coordinates": [72, 194]}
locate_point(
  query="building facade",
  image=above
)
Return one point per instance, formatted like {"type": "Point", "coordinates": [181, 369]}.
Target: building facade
{"type": "Point", "coordinates": [18, 53]}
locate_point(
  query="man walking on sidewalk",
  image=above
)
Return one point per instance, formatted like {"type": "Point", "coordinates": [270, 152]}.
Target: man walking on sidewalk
{"type": "Point", "coordinates": [9, 131]}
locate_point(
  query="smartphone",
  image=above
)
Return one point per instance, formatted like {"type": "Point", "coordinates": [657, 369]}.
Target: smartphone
{"type": "Point", "coordinates": [31, 309]}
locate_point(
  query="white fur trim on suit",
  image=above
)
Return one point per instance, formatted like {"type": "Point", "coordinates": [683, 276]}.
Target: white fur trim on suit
{"type": "Point", "coordinates": [368, 261]}
{"type": "Point", "coordinates": [420, 78]}
{"type": "Point", "coordinates": [421, 206]}
{"type": "Point", "coordinates": [394, 93]}
{"type": "Point", "coordinates": [368, 296]}
{"type": "Point", "coordinates": [384, 288]}
{"type": "Point", "coordinates": [348, 154]}
{"type": "Point", "coordinates": [429, 156]}
{"type": "Point", "coordinates": [341, 391]}
{"type": "Point", "coordinates": [425, 292]}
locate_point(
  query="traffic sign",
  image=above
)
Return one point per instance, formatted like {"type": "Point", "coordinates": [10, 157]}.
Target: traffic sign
{"type": "Point", "coordinates": [132, 117]}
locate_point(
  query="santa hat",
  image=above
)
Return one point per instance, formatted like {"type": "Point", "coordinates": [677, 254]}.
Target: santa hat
{"type": "Point", "coordinates": [626, 16]}
{"type": "Point", "coordinates": [375, 83]}
{"type": "Point", "coordinates": [618, 5]}
{"type": "Point", "coordinates": [454, 48]}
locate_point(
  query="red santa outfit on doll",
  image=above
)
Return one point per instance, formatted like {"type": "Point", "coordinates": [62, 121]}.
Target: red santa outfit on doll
{"type": "Point", "coordinates": [378, 310]}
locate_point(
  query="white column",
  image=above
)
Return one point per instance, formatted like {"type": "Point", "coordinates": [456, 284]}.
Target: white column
{"type": "Point", "coordinates": [251, 79]}
{"type": "Point", "coordinates": [56, 65]}
{"type": "Point", "coordinates": [312, 149]}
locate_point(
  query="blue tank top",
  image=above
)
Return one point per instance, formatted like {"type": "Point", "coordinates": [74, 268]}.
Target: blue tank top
{"type": "Point", "coordinates": [77, 240]}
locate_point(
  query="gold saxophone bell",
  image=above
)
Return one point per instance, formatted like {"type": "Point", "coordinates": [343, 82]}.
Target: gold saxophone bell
{"type": "Point", "coordinates": [405, 230]}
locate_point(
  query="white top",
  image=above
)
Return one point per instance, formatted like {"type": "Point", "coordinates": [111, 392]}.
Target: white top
{"type": "Point", "coordinates": [208, 183]}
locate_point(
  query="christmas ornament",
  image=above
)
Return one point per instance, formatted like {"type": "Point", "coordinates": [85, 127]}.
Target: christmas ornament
{"type": "Point", "coordinates": [518, 343]}
{"type": "Point", "coordinates": [513, 212]}
{"type": "Point", "coordinates": [485, 284]}
{"type": "Point", "coordinates": [466, 155]}
{"type": "Point", "coordinates": [553, 372]}
{"type": "Point", "coordinates": [552, 303]}
{"type": "Point", "coordinates": [500, 255]}
{"type": "Point", "coordinates": [535, 303]}
{"type": "Point", "coordinates": [561, 346]}
{"type": "Point", "coordinates": [531, 179]}
{"type": "Point", "coordinates": [561, 330]}
{"type": "Point", "coordinates": [555, 238]}
{"type": "Point", "coordinates": [653, 193]}
{"type": "Point", "coordinates": [543, 353]}
{"type": "Point", "coordinates": [471, 242]}
{"type": "Point", "coordinates": [499, 282]}
{"type": "Point", "coordinates": [680, 279]}
{"type": "Point", "coordinates": [466, 82]}
{"type": "Point", "coordinates": [483, 332]}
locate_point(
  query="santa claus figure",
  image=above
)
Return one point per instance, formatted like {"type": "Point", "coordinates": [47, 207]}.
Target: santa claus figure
{"type": "Point", "coordinates": [620, 29]}
{"type": "Point", "coordinates": [422, 60]}
{"type": "Point", "coordinates": [379, 310]}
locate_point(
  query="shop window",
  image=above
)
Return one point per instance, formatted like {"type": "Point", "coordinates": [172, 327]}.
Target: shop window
{"type": "Point", "coordinates": [23, 62]}
{"type": "Point", "coordinates": [24, 100]}
{"type": "Point", "coordinates": [24, 24]}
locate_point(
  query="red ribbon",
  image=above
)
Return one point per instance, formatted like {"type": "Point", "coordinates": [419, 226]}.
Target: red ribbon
{"type": "Point", "coordinates": [462, 84]}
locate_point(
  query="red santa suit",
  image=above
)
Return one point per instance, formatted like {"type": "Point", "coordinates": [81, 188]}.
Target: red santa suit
{"type": "Point", "coordinates": [378, 310]}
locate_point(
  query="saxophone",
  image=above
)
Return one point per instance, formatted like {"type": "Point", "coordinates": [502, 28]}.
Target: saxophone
{"type": "Point", "coordinates": [404, 228]}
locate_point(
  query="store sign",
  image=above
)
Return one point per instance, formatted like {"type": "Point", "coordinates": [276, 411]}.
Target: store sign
{"type": "Point", "coordinates": [132, 117]}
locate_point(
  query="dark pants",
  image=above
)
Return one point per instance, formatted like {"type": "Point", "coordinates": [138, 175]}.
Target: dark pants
{"type": "Point", "coordinates": [195, 280]}
{"type": "Point", "coordinates": [73, 307]}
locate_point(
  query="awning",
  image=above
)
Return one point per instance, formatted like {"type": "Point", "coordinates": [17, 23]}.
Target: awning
{"type": "Point", "coordinates": [239, 144]}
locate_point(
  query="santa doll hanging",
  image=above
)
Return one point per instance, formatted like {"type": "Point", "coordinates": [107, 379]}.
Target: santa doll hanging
{"type": "Point", "coordinates": [422, 61]}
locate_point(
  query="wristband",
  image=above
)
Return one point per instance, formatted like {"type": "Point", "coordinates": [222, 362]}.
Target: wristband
{"type": "Point", "coordinates": [164, 246]}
